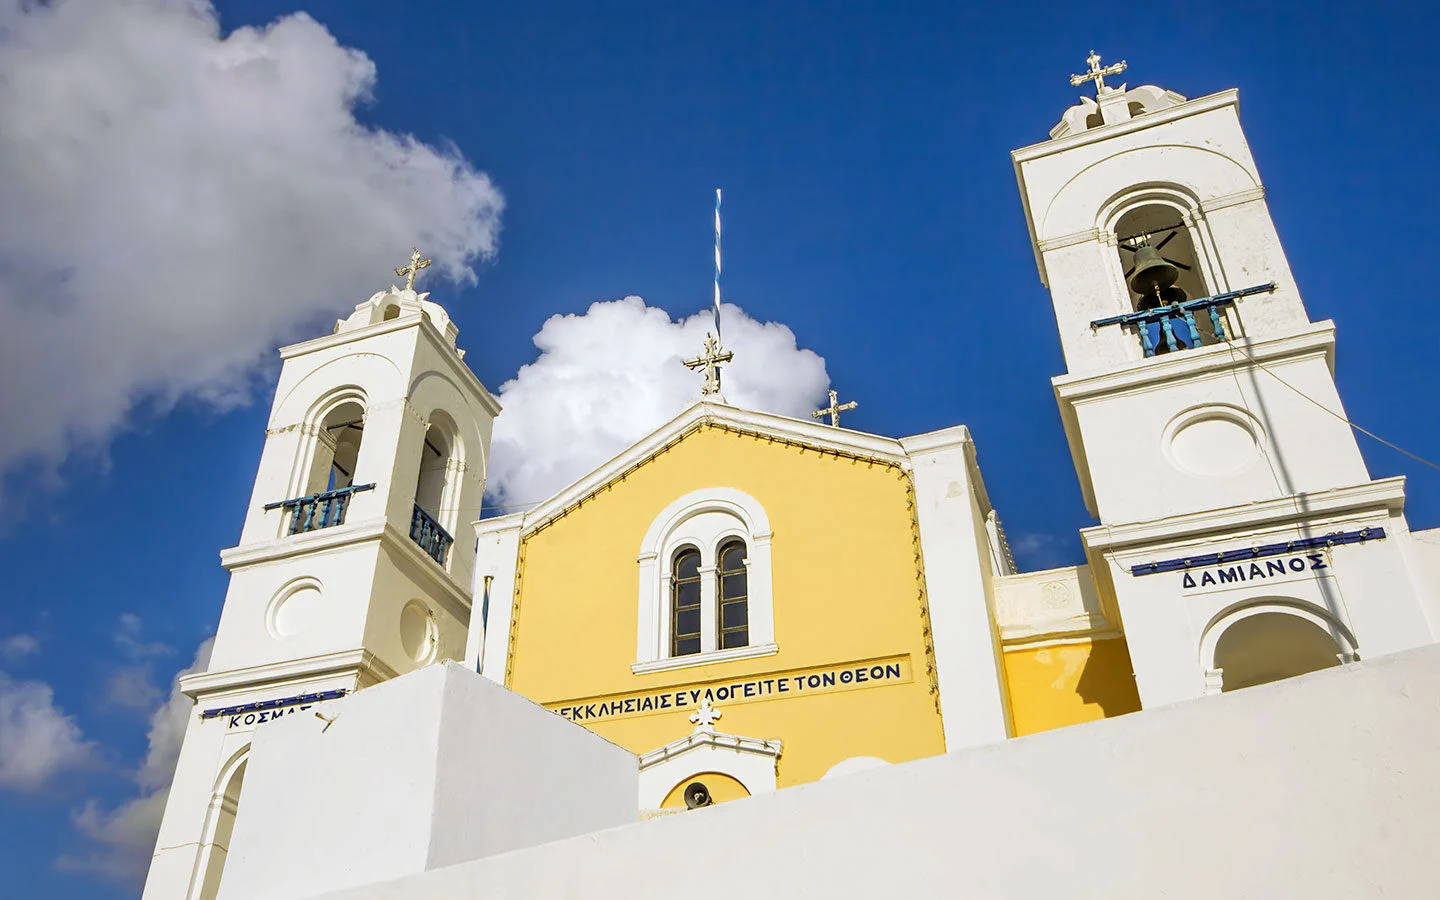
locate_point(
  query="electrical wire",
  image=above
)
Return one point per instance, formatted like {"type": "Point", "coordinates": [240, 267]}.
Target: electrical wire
{"type": "Point", "coordinates": [1370, 434]}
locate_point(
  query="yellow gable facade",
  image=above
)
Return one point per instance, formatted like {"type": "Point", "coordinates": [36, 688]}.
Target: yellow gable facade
{"type": "Point", "coordinates": [753, 602]}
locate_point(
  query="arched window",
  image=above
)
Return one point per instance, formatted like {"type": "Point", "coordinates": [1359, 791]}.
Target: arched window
{"type": "Point", "coordinates": [734, 623]}
{"type": "Point", "coordinates": [685, 603]}
{"type": "Point", "coordinates": [722, 536]}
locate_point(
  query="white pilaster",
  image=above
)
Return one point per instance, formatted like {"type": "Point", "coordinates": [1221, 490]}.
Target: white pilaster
{"type": "Point", "coordinates": [958, 585]}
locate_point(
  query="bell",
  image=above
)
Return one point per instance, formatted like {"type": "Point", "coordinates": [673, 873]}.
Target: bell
{"type": "Point", "coordinates": [1152, 272]}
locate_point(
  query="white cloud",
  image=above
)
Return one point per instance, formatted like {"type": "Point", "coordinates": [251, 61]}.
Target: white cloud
{"type": "Point", "coordinates": [18, 646]}
{"type": "Point", "coordinates": [1035, 550]}
{"type": "Point", "coordinates": [177, 203]}
{"type": "Point", "coordinates": [127, 637]}
{"type": "Point", "coordinates": [130, 686]}
{"type": "Point", "coordinates": [37, 739]}
{"type": "Point", "coordinates": [609, 377]}
{"type": "Point", "coordinates": [124, 838]}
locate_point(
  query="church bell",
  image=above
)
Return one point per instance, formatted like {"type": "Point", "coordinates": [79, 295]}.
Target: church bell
{"type": "Point", "coordinates": [1154, 279]}
{"type": "Point", "coordinates": [1152, 271]}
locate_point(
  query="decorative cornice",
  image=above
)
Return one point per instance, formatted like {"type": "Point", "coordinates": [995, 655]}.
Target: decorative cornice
{"type": "Point", "coordinates": [1078, 237]}
{"type": "Point", "coordinates": [718, 740]}
{"type": "Point", "coordinates": [1139, 123]}
{"type": "Point", "coordinates": [349, 534]}
{"type": "Point", "coordinates": [446, 352]}
{"type": "Point", "coordinates": [1235, 199]}
{"type": "Point", "coordinates": [497, 524]}
{"type": "Point", "coordinates": [934, 441]}
{"type": "Point", "coordinates": [1384, 496]}
{"type": "Point", "coordinates": [1217, 359]}
{"type": "Point", "coordinates": [1041, 640]}
{"type": "Point", "coordinates": [345, 662]}
{"type": "Point", "coordinates": [352, 532]}
{"type": "Point", "coordinates": [700, 414]}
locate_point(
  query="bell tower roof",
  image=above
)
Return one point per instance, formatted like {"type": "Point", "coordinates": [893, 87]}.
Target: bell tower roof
{"type": "Point", "coordinates": [1111, 105]}
{"type": "Point", "coordinates": [385, 305]}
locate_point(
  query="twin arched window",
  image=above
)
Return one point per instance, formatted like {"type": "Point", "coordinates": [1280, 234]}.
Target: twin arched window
{"type": "Point", "coordinates": [719, 594]}
{"type": "Point", "coordinates": [705, 583]}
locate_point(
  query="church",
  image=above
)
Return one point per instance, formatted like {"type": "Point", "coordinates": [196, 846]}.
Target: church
{"type": "Point", "coordinates": [744, 602]}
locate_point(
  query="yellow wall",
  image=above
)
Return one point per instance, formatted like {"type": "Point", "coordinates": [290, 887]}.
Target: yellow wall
{"type": "Point", "coordinates": [721, 788]}
{"type": "Point", "coordinates": [846, 590]}
{"type": "Point", "coordinates": [1068, 683]}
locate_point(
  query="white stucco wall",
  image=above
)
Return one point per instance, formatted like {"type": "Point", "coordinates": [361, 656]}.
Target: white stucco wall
{"type": "Point", "coordinates": [427, 770]}
{"type": "Point", "coordinates": [1321, 786]}
{"type": "Point", "coordinates": [955, 547]}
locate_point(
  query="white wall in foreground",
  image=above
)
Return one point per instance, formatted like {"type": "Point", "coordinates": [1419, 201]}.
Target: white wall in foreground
{"type": "Point", "coordinates": [1321, 786]}
{"type": "Point", "coordinates": [432, 768]}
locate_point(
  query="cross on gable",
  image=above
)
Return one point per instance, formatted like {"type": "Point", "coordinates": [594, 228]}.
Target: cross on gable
{"type": "Point", "coordinates": [417, 262]}
{"type": "Point", "coordinates": [834, 409]}
{"type": "Point", "coordinates": [709, 362]}
{"type": "Point", "coordinates": [1097, 74]}
{"type": "Point", "coordinates": [704, 717]}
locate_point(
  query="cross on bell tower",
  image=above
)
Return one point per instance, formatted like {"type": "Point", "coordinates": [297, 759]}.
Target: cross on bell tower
{"type": "Point", "coordinates": [1199, 398]}
{"type": "Point", "coordinates": [1097, 74]}
{"type": "Point", "coordinates": [347, 571]}
{"type": "Point", "coordinates": [417, 262]}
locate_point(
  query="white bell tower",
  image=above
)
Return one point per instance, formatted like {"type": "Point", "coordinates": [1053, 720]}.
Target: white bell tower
{"type": "Point", "coordinates": [1241, 537]}
{"type": "Point", "coordinates": [345, 574]}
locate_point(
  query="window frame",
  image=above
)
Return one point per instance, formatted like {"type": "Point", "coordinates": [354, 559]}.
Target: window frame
{"type": "Point", "coordinates": [698, 606]}
{"type": "Point", "coordinates": [706, 519]}
{"type": "Point", "coordinates": [722, 601]}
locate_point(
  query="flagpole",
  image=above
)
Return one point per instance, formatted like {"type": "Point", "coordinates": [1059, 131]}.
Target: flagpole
{"type": "Point", "coordinates": [717, 267]}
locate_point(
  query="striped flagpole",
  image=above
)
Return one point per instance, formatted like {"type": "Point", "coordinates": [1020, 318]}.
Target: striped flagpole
{"type": "Point", "coordinates": [717, 267]}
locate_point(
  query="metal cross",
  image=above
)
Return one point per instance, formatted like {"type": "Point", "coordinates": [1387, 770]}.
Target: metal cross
{"type": "Point", "coordinates": [704, 717]}
{"type": "Point", "coordinates": [834, 409]}
{"type": "Point", "coordinates": [1098, 74]}
{"type": "Point", "coordinates": [710, 362]}
{"type": "Point", "coordinates": [417, 262]}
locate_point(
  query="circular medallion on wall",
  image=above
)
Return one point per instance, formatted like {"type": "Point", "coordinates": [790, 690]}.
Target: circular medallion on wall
{"type": "Point", "coordinates": [1212, 441]}
{"type": "Point", "coordinates": [295, 609]}
{"type": "Point", "coordinates": [419, 635]}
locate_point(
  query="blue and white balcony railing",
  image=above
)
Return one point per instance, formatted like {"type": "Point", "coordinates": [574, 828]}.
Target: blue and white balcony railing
{"type": "Point", "coordinates": [426, 532]}
{"type": "Point", "coordinates": [1174, 327]}
{"type": "Point", "coordinates": [318, 510]}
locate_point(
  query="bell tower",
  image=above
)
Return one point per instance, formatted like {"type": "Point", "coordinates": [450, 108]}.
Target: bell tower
{"type": "Point", "coordinates": [345, 574]}
{"type": "Point", "coordinates": [1241, 537]}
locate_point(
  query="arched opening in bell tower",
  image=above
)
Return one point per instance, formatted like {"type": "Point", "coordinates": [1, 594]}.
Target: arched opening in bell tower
{"type": "Point", "coordinates": [1159, 227]}
{"type": "Point", "coordinates": [337, 449]}
{"type": "Point", "coordinates": [436, 486]}
{"type": "Point", "coordinates": [1161, 268]}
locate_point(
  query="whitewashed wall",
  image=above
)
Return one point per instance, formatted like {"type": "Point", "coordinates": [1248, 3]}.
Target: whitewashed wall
{"type": "Point", "coordinates": [1321, 786]}
{"type": "Point", "coordinates": [427, 770]}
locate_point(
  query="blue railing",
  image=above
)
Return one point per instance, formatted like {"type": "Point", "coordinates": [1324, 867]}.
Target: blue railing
{"type": "Point", "coordinates": [427, 532]}
{"type": "Point", "coordinates": [1173, 327]}
{"type": "Point", "coordinates": [318, 510]}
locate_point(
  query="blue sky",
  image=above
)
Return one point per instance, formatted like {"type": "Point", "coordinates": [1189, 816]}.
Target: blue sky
{"type": "Point", "coordinates": [870, 206]}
